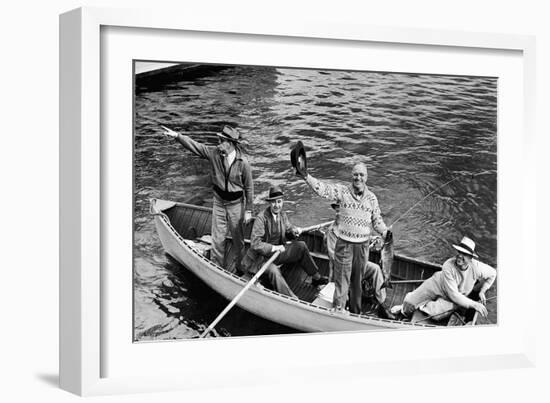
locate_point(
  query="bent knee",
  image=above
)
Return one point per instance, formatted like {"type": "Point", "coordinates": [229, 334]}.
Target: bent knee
{"type": "Point", "coordinates": [408, 305]}
{"type": "Point", "coordinates": [273, 271]}
{"type": "Point", "coordinates": [300, 245]}
{"type": "Point", "coordinates": [374, 267]}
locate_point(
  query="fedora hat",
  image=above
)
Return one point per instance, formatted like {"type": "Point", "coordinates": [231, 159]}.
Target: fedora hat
{"type": "Point", "coordinates": [298, 158]}
{"type": "Point", "coordinates": [466, 246]}
{"type": "Point", "coordinates": [275, 193]}
{"type": "Point", "coordinates": [229, 133]}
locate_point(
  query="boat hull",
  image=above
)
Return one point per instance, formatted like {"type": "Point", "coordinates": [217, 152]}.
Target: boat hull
{"type": "Point", "coordinates": [261, 301]}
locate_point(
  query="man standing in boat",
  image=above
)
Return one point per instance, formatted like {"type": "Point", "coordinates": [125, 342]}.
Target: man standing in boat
{"type": "Point", "coordinates": [358, 215]}
{"type": "Point", "coordinates": [269, 234]}
{"type": "Point", "coordinates": [447, 290]}
{"type": "Point", "coordinates": [231, 178]}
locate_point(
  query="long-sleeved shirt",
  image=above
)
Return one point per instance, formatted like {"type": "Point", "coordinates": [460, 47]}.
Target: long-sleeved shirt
{"type": "Point", "coordinates": [358, 215]}
{"type": "Point", "coordinates": [236, 178]}
{"type": "Point", "coordinates": [454, 285]}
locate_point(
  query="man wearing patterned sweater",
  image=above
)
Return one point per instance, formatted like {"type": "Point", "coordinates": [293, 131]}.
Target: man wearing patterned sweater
{"type": "Point", "coordinates": [359, 214]}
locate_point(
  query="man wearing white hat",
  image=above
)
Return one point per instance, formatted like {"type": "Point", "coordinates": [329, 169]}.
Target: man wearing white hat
{"type": "Point", "coordinates": [449, 288]}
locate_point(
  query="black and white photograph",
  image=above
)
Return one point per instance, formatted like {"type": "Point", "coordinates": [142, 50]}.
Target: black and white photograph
{"type": "Point", "coordinates": [272, 200]}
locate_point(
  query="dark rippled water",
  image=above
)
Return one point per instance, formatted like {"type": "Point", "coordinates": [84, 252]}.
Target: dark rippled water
{"type": "Point", "coordinates": [415, 133]}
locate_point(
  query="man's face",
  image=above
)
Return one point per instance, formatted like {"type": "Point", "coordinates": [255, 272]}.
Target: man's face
{"type": "Point", "coordinates": [276, 206]}
{"type": "Point", "coordinates": [463, 261]}
{"type": "Point", "coordinates": [224, 146]}
{"type": "Point", "coordinates": [359, 177]}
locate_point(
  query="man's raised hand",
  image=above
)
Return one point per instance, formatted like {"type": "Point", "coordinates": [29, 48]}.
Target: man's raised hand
{"type": "Point", "coordinates": [169, 132]}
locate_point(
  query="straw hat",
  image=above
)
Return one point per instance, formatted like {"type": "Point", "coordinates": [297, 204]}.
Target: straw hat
{"type": "Point", "coordinates": [466, 246]}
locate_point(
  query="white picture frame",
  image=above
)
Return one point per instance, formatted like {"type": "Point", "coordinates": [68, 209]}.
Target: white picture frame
{"type": "Point", "coordinates": [88, 315]}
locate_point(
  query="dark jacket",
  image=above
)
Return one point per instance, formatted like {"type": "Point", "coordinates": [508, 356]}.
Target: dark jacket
{"type": "Point", "coordinates": [265, 233]}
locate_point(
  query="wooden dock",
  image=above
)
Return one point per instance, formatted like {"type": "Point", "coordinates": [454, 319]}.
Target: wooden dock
{"type": "Point", "coordinates": [149, 75]}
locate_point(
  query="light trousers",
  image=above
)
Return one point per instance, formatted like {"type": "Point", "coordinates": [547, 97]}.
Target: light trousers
{"type": "Point", "coordinates": [351, 265]}
{"type": "Point", "coordinates": [227, 219]}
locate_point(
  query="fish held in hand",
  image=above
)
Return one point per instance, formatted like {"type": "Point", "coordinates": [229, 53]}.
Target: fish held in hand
{"type": "Point", "coordinates": [386, 259]}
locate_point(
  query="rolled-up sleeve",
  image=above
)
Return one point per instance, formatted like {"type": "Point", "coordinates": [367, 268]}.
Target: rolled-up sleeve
{"type": "Point", "coordinates": [449, 285]}
{"type": "Point", "coordinates": [487, 275]}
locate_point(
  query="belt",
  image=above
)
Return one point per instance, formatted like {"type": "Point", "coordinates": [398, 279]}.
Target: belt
{"type": "Point", "coordinates": [228, 196]}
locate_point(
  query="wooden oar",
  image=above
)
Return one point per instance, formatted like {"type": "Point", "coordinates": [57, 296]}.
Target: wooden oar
{"type": "Point", "coordinates": [240, 294]}
{"type": "Point", "coordinates": [474, 320]}
{"type": "Point", "coordinates": [406, 281]}
{"type": "Point", "coordinates": [318, 226]}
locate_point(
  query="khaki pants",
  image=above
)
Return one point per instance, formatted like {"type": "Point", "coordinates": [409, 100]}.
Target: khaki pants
{"type": "Point", "coordinates": [227, 219]}
{"type": "Point", "coordinates": [351, 265]}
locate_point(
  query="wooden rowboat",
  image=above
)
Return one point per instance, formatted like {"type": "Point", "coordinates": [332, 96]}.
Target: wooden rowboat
{"type": "Point", "coordinates": [180, 226]}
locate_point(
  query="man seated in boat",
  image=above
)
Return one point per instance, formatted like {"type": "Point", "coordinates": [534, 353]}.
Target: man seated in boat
{"type": "Point", "coordinates": [270, 232]}
{"type": "Point", "coordinates": [447, 290]}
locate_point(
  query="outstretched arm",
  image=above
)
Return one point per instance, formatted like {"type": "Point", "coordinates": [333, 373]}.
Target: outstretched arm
{"type": "Point", "coordinates": [324, 189]}
{"type": "Point", "coordinates": [488, 276]}
{"type": "Point", "coordinates": [195, 147]}
{"type": "Point", "coordinates": [450, 286]}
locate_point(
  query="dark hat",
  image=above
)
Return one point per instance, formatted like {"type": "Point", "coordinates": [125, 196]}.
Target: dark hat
{"type": "Point", "coordinates": [466, 246]}
{"type": "Point", "coordinates": [298, 158]}
{"type": "Point", "coordinates": [229, 133]}
{"type": "Point", "coordinates": [275, 193]}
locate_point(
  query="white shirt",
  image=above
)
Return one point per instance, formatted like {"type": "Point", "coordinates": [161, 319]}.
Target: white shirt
{"type": "Point", "coordinates": [230, 158]}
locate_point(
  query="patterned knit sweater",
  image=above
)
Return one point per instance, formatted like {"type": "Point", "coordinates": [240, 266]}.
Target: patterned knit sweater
{"type": "Point", "coordinates": [358, 215]}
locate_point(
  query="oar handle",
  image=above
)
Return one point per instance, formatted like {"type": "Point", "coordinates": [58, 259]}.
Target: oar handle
{"type": "Point", "coordinates": [318, 226]}
{"type": "Point", "coordinates": [241, 293]}
{"type": "Point", "coordinates": [474, 320]}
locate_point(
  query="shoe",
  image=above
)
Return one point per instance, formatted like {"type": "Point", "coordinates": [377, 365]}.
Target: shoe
{"type": "Point", "coordinates": [339, 310]}
{"type": "Point", "coordinates": [396, 309]}
{"type": "Point", "coordinates": [323, 280]}
{"type": "Point", "coordinates": [385, 313]}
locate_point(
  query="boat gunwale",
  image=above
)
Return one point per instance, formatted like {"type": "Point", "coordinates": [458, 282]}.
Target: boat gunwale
{"type": "Point", "coordinates": [405, 258]}
{"type": "Point", "coordinates": [358, 318]}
